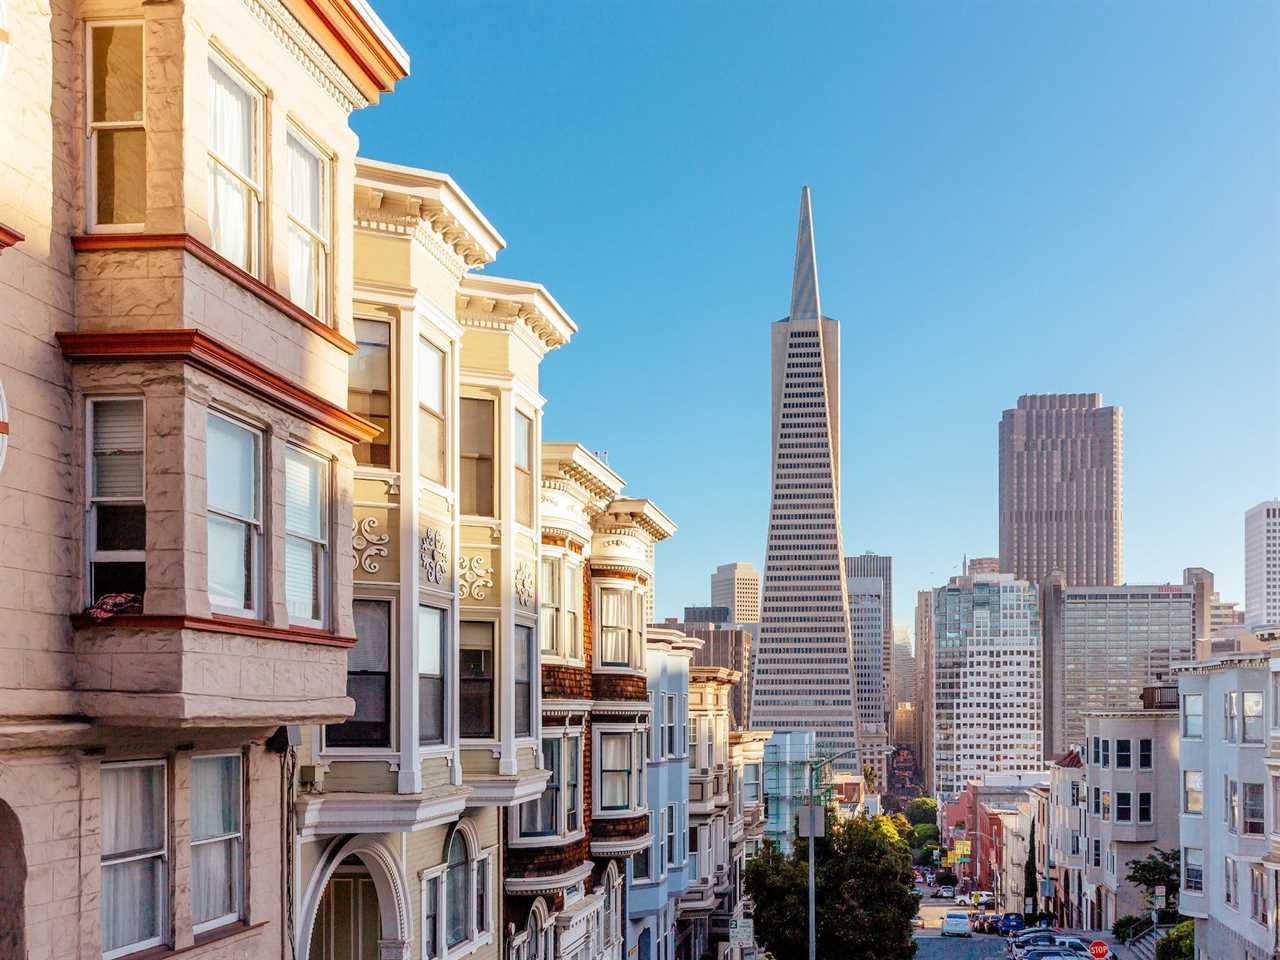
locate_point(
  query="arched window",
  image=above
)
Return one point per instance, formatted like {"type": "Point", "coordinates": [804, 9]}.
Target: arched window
{"type": "Point", "coordinates": [535, 937]}
{"type": "Point", "coordinates": [457, 920]}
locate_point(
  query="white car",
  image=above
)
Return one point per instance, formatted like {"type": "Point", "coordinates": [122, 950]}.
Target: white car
{"type": "Point", "coordinates": [956, 924]}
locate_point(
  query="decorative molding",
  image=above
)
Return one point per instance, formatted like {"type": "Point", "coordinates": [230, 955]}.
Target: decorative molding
{"type": "Point", "coordinates": [426, 222]}
{"type": "Point", "coordinates": [303, 47]}
{"type": "Point", "coordinates": [433, 554]}
{"type": "Point", "coordinates": [8, 237]}
{"type": "Point", "coordinates": [202, 351]}
{"type": "Point", "coordinates": [214, 624]}
{"type": "Point", "coordinates": [366, 545]}
{"type": "Point", "coordinates": [525, 583]}
{"type": "Point", "coordinates": [96, 242]}
{"type": "Point", "coordinates": [474, 577]}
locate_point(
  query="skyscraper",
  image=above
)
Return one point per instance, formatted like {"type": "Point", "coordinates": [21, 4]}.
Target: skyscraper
{"type": "Point", "coordinates": [877, 565]}
{"type": "Point", "coordinates": [804, 672]}
{"type": "Point", "coordinates": [1262, 564]}
{"type": "Point", "coordinates": [866, 613]}
{"type": "Point", "coordinates": [924, 685]}
{"type": "Point", "coordinates": [737, 586]}
{"type": "Point", "coordinates": [1062, 489]}
{"type": "Point", "coordinates": [904, 666]}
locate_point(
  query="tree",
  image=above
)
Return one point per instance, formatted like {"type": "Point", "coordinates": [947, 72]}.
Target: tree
{"type": "Point", "coordinates": [1161, 868]}
{"type": "Point", "coordinates": [1180, 944]}
{"type": "Point", "coordinates": [946, 877]}
{"type": "Point", "coordinates": [865, 900]}
{"type": "Point", "coordinates": [924, 857]}
{"type": "Point", "coordinates": [925, 833]}
{"type": "Point", "coordinates": [922, 810]}
{"type": "Point", "coordinates": [1029, 871]}
{"type": "Point", "coordinates": [870, 778]}
{"type": "Point", "coordinates": [905, 830]}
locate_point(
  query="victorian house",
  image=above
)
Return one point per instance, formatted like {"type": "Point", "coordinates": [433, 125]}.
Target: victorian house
{"type": "Point", "coordinates": [177, 479]}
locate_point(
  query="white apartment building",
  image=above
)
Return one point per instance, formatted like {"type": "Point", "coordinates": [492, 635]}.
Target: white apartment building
{"type": "Point", "coordinates": [987, 684]}
{"type": "Point", "coordinates": [1262, 564]}
{"type": "Point", "coordinates": [737, 586]}
{"type": "Point", "coordinates": [1065, 863]}
{"type": "Point", "coordinates": [1228, 879]}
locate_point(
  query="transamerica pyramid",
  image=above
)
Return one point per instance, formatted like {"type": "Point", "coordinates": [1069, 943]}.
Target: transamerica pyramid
{"type": "Point", "coordinates": [803, 675]}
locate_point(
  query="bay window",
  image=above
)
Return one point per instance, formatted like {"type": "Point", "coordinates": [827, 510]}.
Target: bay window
{"type": "Point", "coordinates": [549, 613]}
{"type": "Point", "coordinates": [368, 679]}
{"type": "Point", "coordinates": [461, 895]}
{"type": "Point", "coordinates": [1251, 713]}
{"type": "Point", "coordinates": [1192, 715]}
{"type": "Point", "coordinates": [573, 784]}
{"type": "Point", "coordinates": [216, 841]}
{"type": "Point", "coordinates": [523, 448]}
{"type": "Point", "coordinates": [475, 661]}
{"type": "Point", "coordinates": [476, 482]}
{"type": "Point", "coordinates": [308, 224]}
{"type": "Point", "coordinates": [1193, 868]}
{"type": "Point", "coordinates": [369, 389]}
{"type": "Point", "coordinates": [615, 771]}
{"type": "Point", "coordinates": [306, 550]}
{"type": "Point", "coordinates": [751, 783]}
{"type": "Point", "coordinates": [432, 443]}
{"type": "Point", "coordinates": [525, 668]}
{"type": "Point", "coordinates": [616, 625]}
{"type": "Point", "coordinates": [117, 528]}
{"type": "Point", "coordinates": [134, 857]}
{"type": "Point", "coordinates": [115, 112]}
{"type": "Point", "coordinates": [234, 165]}
{"type": "Point", "coordinates": [432, 657]}
{"type": "Point", "coordinates": [573, 611]}
{"type": "Point", "coordinates": [539, 818]}
{"type": "Point", "coordinates": [234, 462]}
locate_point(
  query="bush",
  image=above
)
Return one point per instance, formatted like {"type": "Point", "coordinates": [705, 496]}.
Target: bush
{"type": "Point", "coordinates": [1180, 944]}
{"type": "Point", "coordinates": [946, 877]}
{"type": "Point", "coordinates": [1123, 926]}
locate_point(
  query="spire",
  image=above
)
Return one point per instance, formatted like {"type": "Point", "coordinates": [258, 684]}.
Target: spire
{"type": "Point", "coordinates": [804, 282]}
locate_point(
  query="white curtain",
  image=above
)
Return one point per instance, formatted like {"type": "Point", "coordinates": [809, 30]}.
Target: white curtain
{"type": "Point", "coordinates": [215, 812]}
{"type": "Point", "coordinates": [231, 138]}
{"type": "Point", "coordinates": [132, 823]}
{"type": "Point", "coordinates": [615, 760]}
{"type": "Point", "coordinates": [304, 205]}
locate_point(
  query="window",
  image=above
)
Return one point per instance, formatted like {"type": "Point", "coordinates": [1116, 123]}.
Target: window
{"type": "Point", "coordinates": [235, 181]}
{"type": "Point", "coordinates": [673, 826]}
{"type": "Point", "coordinates": [538, 818]}
{"type": "Point", "coordinates": [1106, 753]}
{"type": "Point", "coordinates": [751, 783]}
{"type": "Point", "coordinates": [1124, 754]}
{"type": "Point", "coordinates": [1230, 708]}
{"type": "Point", "coordinates": [615, 771]}
{"type": "Point", "coordinates": [117, 126]}
{"type": "Point", "coordinates": [1231, 804]}
{"type": "Point", "coordinates": [1144, 754]}
{"type": "Point", "coordinates": [573, 611]}
{"type": "Point", "coordinates": [1192, 791]}
{"type": "Point", "coordinates": [524, 469]}
{"type": "Point", "coordinates": [693, 742]}
{"type": "Point", "coordinates": [134, 857]}
{"type": "Point", "coordinates": [369, 389]}
{"type": "Point", "coordinates": [368, 679]}
{"type": "Point", "coordinates": [1254, 809]}
{"type": "Point", "coordinates": [432, 657]}
{"type": "Point", "coordinates": [1144, 808]}
{"type": "Point", "coordinates": [482, 895]}
{"type": "Point", "coordinates": [216, 841]}
{"type": "Point", "coordinates": [430, 919]}
{"type": "Point", "coordinates": [695, 855]}
{"type": "Point", "coordinates": [117, 531]}
{"type": "Point", "coordinates": [526, 661]}
{"type": "Point", "coordinates": [1097, 853]}
{"type": "Point", "coordinates": [1252, 715]}
{"type": "Point", "coordinates": [662, 839]}
{"type": "Point", "coordinates": [1075, 793]}
{"type": "Point", "coordinates": [1097, 751]}
{"type": "Point", "coordinates": [1106, 804]}
{"type": "Point", "coordinates": [1097, 801]}
{"type": "Point", "coordinates": [234, 516]}
{"type": "Point", "coordinates": [306, 549]}
{"type": "Point", "coordinates": [432, 442]}
{"type": "Point", "coordinates": [640, 866]}
{"type": "Point", "coordinates": [308, 225]}
{"type": "Point", "coordinates": [573, 783]}
{"type": "Point", "coordinates": [475, 661]}
{"type": "Point", "coordinates": [1230, 890]}
{"type": "Point", "coordinates": [549, 615]}
{"type": "Point", "coordinates": [1192, 868]}
{"type": "Point", "coordinates": [457, 912]}
{"type": "Point", "coordinates": [1258, 893]}
{"type": "Point", "coordinates": [669, 723]}
{"type": "Point", "coordinates": [615, 627]}
{"type": "Point", "coordinates": [477, 457]}
{"type": "Point", "coordinates": [1192, 715]}
{"type": "Point", "coordinates": [1124, 807]}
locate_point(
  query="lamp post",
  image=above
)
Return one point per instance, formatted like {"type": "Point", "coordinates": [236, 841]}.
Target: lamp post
{"type": "Point", "coordinates": [814, 767]}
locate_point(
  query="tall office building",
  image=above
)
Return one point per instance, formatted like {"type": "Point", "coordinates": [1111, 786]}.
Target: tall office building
{"type": "Point", "coordinates": [1105, 644]}
{"type": "Point", "coordinates": [866, 616]}
{"type": "Point", "coordinates": [725, 645]}
{"type": "Point", "coordinates": [1200, 581]}
{"type": "Point", "coordinates": [804, 670]}
{"type": "Point", "coordinates": [904, 666]}
{"type": "Point", "coordinates": [1062, 489]}
{"type": "Point", "coordinates": [987, 680]}
{"type": "Point", "coordinates": [876, 565]}
{"type": "Point", "coordinates": [1262, 564]}
{"type": "Point", "coordinates": [737, 586]}
{"type": "Point", "coordinates": [924, 685]}
{"type": "Point", "coordinates": [707, 615]}
{"type": "Point", "coordinates": [976, 565]}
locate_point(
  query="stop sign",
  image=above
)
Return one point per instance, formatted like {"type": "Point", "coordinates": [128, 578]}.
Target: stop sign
{"type": "Point", "coordinates": [1099, 950]}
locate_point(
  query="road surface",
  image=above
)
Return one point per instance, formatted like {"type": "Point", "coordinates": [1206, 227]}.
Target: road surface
{"type": "Point", "coordinates": [933, 946]}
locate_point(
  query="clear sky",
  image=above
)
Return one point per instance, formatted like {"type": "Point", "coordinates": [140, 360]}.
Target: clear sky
{"type": "Point", "coordinates": [1008, 198]}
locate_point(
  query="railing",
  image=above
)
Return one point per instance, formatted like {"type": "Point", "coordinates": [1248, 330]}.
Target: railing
{"type": "Point", "coordinates": [1138, 929]}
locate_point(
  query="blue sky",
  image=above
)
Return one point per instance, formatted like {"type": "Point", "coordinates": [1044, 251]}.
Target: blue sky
{"type": "Point", "coordinates": [1008, 198]}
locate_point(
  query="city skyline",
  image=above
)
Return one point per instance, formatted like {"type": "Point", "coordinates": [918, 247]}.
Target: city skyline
{"type": "Point", "coordinates": [1051, 245]}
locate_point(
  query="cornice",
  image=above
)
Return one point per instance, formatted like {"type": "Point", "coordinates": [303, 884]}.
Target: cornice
{"type": "Point", "coordinates": [8, 237]}
{"type": "Point", "coordinates": [378, 813]}
{"type": "Point", "coordinates": [509, 306]}
{"type": "Point", "coordinates": [303, 47]}
{"type": "Point", "coordinates": [547, 885]}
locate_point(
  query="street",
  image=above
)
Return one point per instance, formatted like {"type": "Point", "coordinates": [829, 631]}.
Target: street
{"type": "Point", "coordinates": [934, 946]}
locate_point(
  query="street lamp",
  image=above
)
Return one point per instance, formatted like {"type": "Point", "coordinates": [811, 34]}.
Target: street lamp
{"type": "Point", "coordinates": [814, 767]}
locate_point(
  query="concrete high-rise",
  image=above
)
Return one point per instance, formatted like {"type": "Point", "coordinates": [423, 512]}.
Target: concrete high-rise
{"type": "Point", "coordinates": [988, 716]}
{"type": "Point", "coordinates": [737, 586]}
{"type": "Point", "coordinates": [976, 565]}
{"type": "Point", "coordinates": [877, 565]}
{"type": "Point", "coordinates": [924, 685]}
{"type": "Point", "coordinates": [1062, 489]}
{"type": "Point", "coordinates": [1262, 564]}
{"type": "Point", "coordinates": [804, 670]}
{"type": "Point", "coordinates": [904, 667]}
{"type": "Point", "coordinates": [866, 615]}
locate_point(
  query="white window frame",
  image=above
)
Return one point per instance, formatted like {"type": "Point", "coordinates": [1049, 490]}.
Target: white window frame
{"type": "Point", "coordinates": [673, 830]}
{"type": "Point", "coordinates": [92, 553]}
{"type": "Point", "coordinates": [564, 738]}
{"type": "Point", "coordinates": [326, 531]}
{"type": "Point", "coordinates": [1186, 716]}
{"type": "Point", "coordinates": [255, 524]}
{"type": "Point", "coordinates": [441, 415]}
{"type": "Point", "coordinates": [253, 237]}
{"type": "Point", "coordinates": [237, 836]}
{"type": "Point", "coordinates": [1261, 721]}
{"type": "Point", "coordinates": [527, 472]}
{"type": "Point", "coordinates": [162, 906]}
{"type": "Point", "coordinates": [551, 602]}
{"type": "Point", "coordinates": [93, 126]}
{"type": "Point", "coordinates": [478, 858]}
{"type": "Point", "coordinates": [321, 244]}
{"type": "Point", "coordinates": [633, 663]}
{"type": "Point", "coordinates": [637, 795]}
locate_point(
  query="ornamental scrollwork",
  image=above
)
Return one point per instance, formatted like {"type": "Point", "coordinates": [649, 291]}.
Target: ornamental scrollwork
{"type": "Point", "coordinates": [433, 554]}
{"type": "Point", "coordinates": [524, 583]}
{"type": "Point", "coordinates": [474, 578]}
{"type": "Point", "coordinates": [367, 545]}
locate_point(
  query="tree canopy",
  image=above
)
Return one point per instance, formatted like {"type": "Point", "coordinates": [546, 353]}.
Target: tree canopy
{"type": "Point", "coordinates": [922, 810]}
{"type": "Point", "coordinates": [1158, 868]}
{"type": "Point", "coordinates": [865, 897]}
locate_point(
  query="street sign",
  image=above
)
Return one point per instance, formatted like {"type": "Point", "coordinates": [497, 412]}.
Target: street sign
{"type": "Point", "coordinates": [1099, 950]}
{"type": "Point", "coordinates": [812, 819]}
{"type": "Point", "coordinates": [742, 933]}
{"type": "Point", "coordinates": [963, 846]}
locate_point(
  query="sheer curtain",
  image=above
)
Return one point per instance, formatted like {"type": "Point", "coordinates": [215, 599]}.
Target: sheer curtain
{"type": "Point", "coordinates": [132, 826]}
{"type": "Point", "coordinates": [215, 837]}
{"type": "Point", "coordinates": [304, 207]}
{"type": "Point", "coordinates": [231, 141]}
{"type": "Point", "coordinates": [615, 766]}
{"type": "Point", "coordinates": [615, 621]}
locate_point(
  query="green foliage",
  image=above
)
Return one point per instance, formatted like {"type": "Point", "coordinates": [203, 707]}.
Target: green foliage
{"type": "Point", "coordinates": [1029, 871]}
{"type": "Point", "coordinates": [1180, 944]}
{"type": "Point", "coordinates": [922, 810]}
{"type": "Point", "coordinates": [864, 893]}
{"type": "Point", "coordinates": [926, 833]}
{"type": "Point", "coordinates": [905, 830]}
{"type": "Point", "coordinates": [946, 877]}
{"type": "Point", "coordinates": [924, 857]}
{"type": "Point", "coordinates": [1160, 868]}
{"type": "Point", "coordinates": [1123, 926]}
{"type": "Point", "coordinates": [871, 778]}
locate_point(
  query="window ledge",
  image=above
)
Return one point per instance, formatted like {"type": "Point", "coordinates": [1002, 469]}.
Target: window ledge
{"type": "Point", "coordinates": [549, 840]}
{"type": "Point", "coordinates": [231, 932]}
{"type": "Point", "coordinates": [218, 623]}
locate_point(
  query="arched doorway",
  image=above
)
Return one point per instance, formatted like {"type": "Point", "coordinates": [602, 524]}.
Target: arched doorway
{"type": "Point", "coordinates": [356, 908]}
{"type": "Point", "coordinates": [13, 882]}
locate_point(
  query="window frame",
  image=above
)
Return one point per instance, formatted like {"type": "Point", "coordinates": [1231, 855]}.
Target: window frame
{"type": "Point", "coordinates": [238, 913]}
{"type": "Point", "coordinates": [446, 657]}
{"type": "Point", "coordinates": [478, 858]}
{"type": "Point", "coordinates": [441, 416]}
{"type": "Point", "coordinates": [323, 574]}
{"type": "Point", "coordinates": [256, 184]}
{"type": "Point", "coordinates": [1188, 716]}
{"type": "Point", "coordinates": [1231, 716]}
{"type": "Point", "coordinates": [1198, 886]}
{"type": "Point", "coordinates": [324, 254]}
{"type": "Point", "coordinates": [493, 731]}
{"type": "Point", "coordinates": [92, 127]}
{"type": "Point", "coordinates": [92, 554]}
{"type": "Point", "coordinates": [1144, 797]}
{"type": "Point", "coordinates": [1146, 757]}
{"type": "Point", "coordinates": [1261, 809]}
{"type": "Point", "coordinates": [632, 596]}
{"type": "Point", "coordinates": [393, 704]}
{"type": "Point", "coordinates": [637, 797]}
{"type": "Point", "coordinates": [255, 524]}
{"type": "Point", "coordinates": [1188, 791]}
{"type": "Point", "coordinates": [477, 396]}
{"type": "Point", "coordinates": [528, 713]}
{"type": "Point", "coordinates": [1127, 753]}
{"type": "Point", "coordinates": [162, 853]}
{"type": "Point", "coordinates": [1259, 717]}
{"type": "Point", "coordinates": [392, 437]}
{"type": "Point", "coordinates": [1124, 806]}
{"type": "Point", "coordinates": [524, 511]}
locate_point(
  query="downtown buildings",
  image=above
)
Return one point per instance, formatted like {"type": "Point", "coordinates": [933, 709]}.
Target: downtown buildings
{"type": "Point", "coordinates": [737, 587]}
{"type": "Point", "coordinates": [1262, 564]}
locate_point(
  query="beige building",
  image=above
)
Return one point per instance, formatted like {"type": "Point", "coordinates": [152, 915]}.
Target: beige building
{"type": "Point", "coordinates": [175, 294]}
{"type": "Point", "coordinates": [737, 586]}
{"type": "Point", "coordinates": [924, 687]}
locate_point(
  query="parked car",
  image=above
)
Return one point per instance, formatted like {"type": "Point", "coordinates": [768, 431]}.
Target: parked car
{"type": "Point", "coordinates": [962, 900]}
{"type": "Point", "coordinates": [990, 923]}
{"type": "Point", "coordinates": [1012, 923]}
{"type": "Point", "coordinates": [946, 893]}
{"type": "Point", "coordinates": [1050, 953]}
{"type": "Point", "coordinates": [980, 898]}
{"type": "Point", "coordinates": [956, 924]}
{"type": "Point", "coordinates": [1074, 945]}
{"type": "Point", "coordinates": [918, 922]}
{"type": "Point", "coordinates": [1022, 944]}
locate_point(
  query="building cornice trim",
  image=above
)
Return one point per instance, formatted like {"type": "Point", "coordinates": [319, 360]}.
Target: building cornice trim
{"type": "Point", "coordinates": [215, 624]}
{"type": "Point", "coordinates": [548, 885]}
{"type": "Point", "coordinates": [9, 237]}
